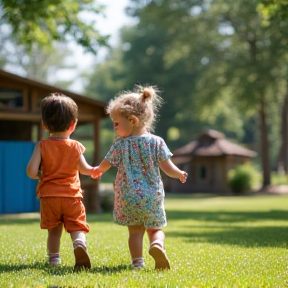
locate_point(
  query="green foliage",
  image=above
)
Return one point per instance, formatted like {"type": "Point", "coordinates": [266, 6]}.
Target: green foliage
{"type": "Point", "coordinates": [279, 179]}
{"type": "Point", "coordinates": [147, 58]}
{"type": "Point", "coordinates": [243, 178]}
{"type": "Point", "coordinates": [46, 21]}
{"type": "Point", "coordinates": [273, 9]}
{"type": "Point", "coordinates": [205, 63]}
{"type": "Point", "coordinates": [211, 242]}
{"type": "Point", "coordinates": [225, 48]}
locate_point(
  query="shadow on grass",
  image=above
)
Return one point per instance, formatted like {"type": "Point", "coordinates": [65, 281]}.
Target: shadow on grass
{"type": "Point", "coordinates": [103, 217]}
{"type": "Point", "coordinates": [228, 216]}
{"type": "Point", "coordinates": [239, 236]}
{"type": "Point", "coordinates": [44, 266]}
{"type": "Point", "coordinates": [62, 269]}
{"type": "Point", "coordinates": [244, 229]}
{"type": "Point", "coordinates": [13, 221]}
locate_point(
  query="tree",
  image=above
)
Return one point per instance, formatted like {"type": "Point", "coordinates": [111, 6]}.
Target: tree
{"type": "Point", "coordinates": [46, 21]}
{"type": "Point", "coordinates": [242, 60]}
{"type": "Point", "coordinates": [214, 60]}
{"type": "Point", "coordinates": [144, 56]}
{"type": "Point", "coordinates": [257, 54]}
{"type": "Point", "coordinates": [273, 9]}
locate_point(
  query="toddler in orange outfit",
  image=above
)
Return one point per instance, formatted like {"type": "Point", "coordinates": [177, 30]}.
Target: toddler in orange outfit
{"type": "Point", "coordinates": [60, 160]}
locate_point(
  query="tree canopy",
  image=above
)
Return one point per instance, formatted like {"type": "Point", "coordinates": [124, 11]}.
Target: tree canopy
{"type": "Point", "coordinates": [218, 65]}
{"type": "Point", "coordinates": [273, 9]}
{"type": "Point", "coordinates": [43, 22]}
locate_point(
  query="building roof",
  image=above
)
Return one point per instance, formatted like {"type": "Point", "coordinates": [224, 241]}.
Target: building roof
{"type": "Point", "coordinates": [210, 144]}
{"type": "Point", "coordinates": [52, 89]}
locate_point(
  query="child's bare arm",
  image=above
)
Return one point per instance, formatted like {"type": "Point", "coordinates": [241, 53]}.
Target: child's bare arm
{"type": "Point", "coordinates": [32, 168]}
{"type": "Point", "coordinates": [172, 170]}
{"type": "Point", "coordinates": [102, 168]}
{"type": "Point", "coordinates": [83, 167]}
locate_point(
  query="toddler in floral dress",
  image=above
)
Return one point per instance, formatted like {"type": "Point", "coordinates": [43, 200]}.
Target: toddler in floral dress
{"type": "Point", "coordinates": [138, 155]}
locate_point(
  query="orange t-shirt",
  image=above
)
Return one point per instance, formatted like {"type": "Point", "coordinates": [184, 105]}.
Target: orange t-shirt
{"type": "Point", "coordinates": [60, 175]}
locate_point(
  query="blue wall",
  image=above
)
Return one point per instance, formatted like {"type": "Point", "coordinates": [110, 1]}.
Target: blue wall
{"type": "Point", "coordinates": [17, 190]}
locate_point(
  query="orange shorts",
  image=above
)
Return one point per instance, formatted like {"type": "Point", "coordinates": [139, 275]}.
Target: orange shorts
{"type": "Point", "coordinates": [67, 210]}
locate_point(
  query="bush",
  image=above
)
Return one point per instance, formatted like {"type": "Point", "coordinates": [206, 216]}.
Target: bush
{"type": "Point", "coordinates": [243, 178]}
{"type": "Point", "coordinates": [279, 179]}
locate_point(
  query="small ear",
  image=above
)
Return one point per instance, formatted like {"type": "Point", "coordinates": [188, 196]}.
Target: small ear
{"type": "Point", "coordinates": [73, 126]}
{"type": "Point", "coordinates": [134, 120]}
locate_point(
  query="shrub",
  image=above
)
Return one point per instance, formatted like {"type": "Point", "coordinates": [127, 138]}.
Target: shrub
{"type": "Point", "coordinates": [279, 179]}
{"type": "Point", "coordinates": [243, 178]}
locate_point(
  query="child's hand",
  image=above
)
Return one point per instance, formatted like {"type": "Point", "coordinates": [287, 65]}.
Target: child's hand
{"type": "Point", "coordinates": [96, 173]}
{"type": "Point", "coordinates": [183, 176]}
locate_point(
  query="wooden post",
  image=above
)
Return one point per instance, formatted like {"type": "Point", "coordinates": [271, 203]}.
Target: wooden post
{"type": "Point", "coordinates": [40, 131]}
{"type": "Point", "coordinates": [91, 186]}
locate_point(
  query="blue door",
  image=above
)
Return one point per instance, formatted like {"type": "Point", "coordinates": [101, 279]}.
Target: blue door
{"type": "Point", "coordinates": [17, 190]}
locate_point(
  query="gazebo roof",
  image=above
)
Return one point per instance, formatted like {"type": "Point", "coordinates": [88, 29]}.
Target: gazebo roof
{"type": "Point", "coordinates": [210, 144]}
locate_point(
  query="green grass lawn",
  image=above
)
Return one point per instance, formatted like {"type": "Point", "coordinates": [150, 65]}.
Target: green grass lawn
{"type": "Point", "coordinates": [211, 242]}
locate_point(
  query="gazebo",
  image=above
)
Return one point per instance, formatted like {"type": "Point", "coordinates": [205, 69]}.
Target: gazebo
{"type": "Point", "coordinates": [207, 161]}
{"type": "Point", "coordinates": [20, 123]}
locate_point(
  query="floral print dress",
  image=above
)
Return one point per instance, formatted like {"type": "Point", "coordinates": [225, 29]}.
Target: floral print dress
{"type": "Point", "coordinates": [139, 192]}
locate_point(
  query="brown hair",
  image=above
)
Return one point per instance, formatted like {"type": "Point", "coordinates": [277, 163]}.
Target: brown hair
{"type": "Point", "coordinates": [143, 102]}
{"type": "Point", "coordinates": [58, 112]}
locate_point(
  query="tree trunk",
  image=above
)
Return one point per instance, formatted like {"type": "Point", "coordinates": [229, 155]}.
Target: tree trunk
{"type": "Point", "coordinates": [282, 163]}
{"type": "Point", "coordinates": [264, 145]}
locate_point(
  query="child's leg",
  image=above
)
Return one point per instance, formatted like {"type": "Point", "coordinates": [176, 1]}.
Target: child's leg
{"type": "Point", "coordinates": [79, 236]}
{"type": "Point", "coordinates": [155, 234]}
{"type": "Point", "coordinates": [135, 242]}
{"type": "Point", "coordinates": [53, 244]}
{"type": "Point", "coordinates": [82, 259]}
{"type": "Point", "coordinates": [156, 250]}
{"type": "Point", "coordinates": [74, 217]}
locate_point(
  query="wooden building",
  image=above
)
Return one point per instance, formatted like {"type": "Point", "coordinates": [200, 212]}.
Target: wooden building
{"type": "Point", "coordinates": [20, 122]}
{"type": "Point", "coordinates": [207, 161]}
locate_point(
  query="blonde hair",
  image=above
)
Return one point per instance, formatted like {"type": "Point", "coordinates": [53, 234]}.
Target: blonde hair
{"type": "Point", "coordinates": [142, 102]}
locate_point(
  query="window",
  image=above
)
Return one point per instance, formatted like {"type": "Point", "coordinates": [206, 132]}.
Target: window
{"type": "Point", "coordinates": [11, 98]}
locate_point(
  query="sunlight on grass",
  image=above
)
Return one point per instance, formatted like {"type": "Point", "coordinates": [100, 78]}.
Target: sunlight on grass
{"type": "Point", "coordinates": [211, 242]}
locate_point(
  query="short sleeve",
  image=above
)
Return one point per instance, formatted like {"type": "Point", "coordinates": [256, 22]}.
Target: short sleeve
{"type": "Point", "coordinates": [81, 148]}
{"type": "Point", "coordinates": [78, 146]}
{"type": "Point", "coordinates": [114, 154]}
{"type": "Point", "coordinates": [163, 151]}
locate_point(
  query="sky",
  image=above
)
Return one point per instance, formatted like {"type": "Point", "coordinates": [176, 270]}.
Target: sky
{"type": "Point", "coordinates": [111, 24]}
{"type": "Point", "coordinates": [116, 17]}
